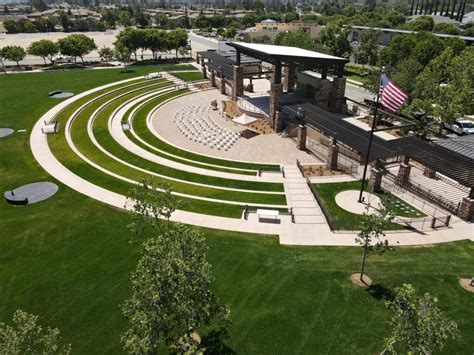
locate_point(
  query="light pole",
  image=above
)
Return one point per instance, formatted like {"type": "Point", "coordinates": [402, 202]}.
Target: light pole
{"type": "Point", "coordinates": [371, 137]}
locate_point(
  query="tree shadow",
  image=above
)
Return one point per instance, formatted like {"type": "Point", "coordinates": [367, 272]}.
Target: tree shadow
{"type": "Point", "coordinates": [214, 344]}
{"type": "Point", "coordinates": [380, 292]}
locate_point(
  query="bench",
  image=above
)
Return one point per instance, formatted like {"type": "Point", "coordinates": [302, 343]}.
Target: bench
{"type": "Point", "coordinates": [153, 75]}
{"type": "Point", "coordinates": [272, 214]}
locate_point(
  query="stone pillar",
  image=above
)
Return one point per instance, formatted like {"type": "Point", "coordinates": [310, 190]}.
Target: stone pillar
{"type": "Point", "coordinates": [289, 73]}
{"type": "Point", "coordinates": [278, 121]}
{"type": "Point", "coordinates": [466, 208]}
{"type": "Point", "coordinates": [213, 78]}
{"type": "Point", "coordinates": [428, 172]}
{"type": "Point", "coordinates": [276, 91]}
{"type": "Point", "coordinates": [204, 70]}
{"type": "Point", "coordinates": [197, 58]}
{"type": "Point", "coordinates": [404, 171]}
{"type": "Point", "coordinates": [238, 84]}
{"type": "Point", "coordinates": [222, 86]}
{"type": "Point", "coordinates": [333, 153]}
{"type": "Point", "coordinates": [323, 93]}
{"type": "Point", "coordinates": [301, 137]}
{"type": "Point", "coordinates": [375, 178]}
{"type": "Point", "coordinates": [338, 102]}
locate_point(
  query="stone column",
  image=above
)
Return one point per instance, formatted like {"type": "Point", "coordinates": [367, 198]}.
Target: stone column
{"type": "Point", "coordinates": [278, 121]}
{"type": "Point", "coordinates": [289, 73]}
{"type": "Point", "coordinates": [333, 153]}
{"type": "Point", "coordinates": [197, 58]}
{"type": "Point", "coordinates": [375, 178]}
{"type": "Point", "coordinates": [204, 70]}
{"type": "Point", "coordinates": [323, 93]}
{"type": "Point", "coordinates": [338, 102]}
{"type": "Point", "coordinates": [276, 91]}
{"type": "Point", "coordinates": [222, 86]}
{"type": "Point", "coordinates": [466, 208]}
{"type": "Point", "coordinates": [404, 171]}
{"type": "Point", "coordinates": [428, 172]}
{"type": "Point", "coordinates": [238, 84]}
{"type": "Point", "coordinates": [301, 137]}
{"type": "Point", "coordinates": [213, 78]}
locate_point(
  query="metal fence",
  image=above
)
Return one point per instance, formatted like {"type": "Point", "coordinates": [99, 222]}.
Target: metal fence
{"type": "Point", "coordinates": [344, 163]}
{"type": "Point", "coordinates": [417, 189]}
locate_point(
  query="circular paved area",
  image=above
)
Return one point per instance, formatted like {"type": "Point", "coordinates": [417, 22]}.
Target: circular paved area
{"type": "Point", "coordinates": [31, 193]}
{"type": "Point", "coordinates": [6, 132]}
{"type": "Point", "coordinates": [348, 200]}
{"type": "Point", "coordinates": [62, 95]}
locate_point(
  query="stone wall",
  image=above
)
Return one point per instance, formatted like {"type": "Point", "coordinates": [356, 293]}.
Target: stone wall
{"type": "Point", "coordinates": [238, 83]}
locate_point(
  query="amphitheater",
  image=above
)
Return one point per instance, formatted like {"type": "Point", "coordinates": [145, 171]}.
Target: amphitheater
{"type": "Point", "coordinates": [103, 141]}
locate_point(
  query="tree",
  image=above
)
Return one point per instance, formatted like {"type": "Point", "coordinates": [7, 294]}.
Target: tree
{"type": "Point", "coordinates": [142, 19]}
{"type": "Point", "coordinates": [447, 28]}
{"type": "Point", "coordinates": [422, 23]}
{"type": "Point", "coordinates": [26, 336]}
{"type": "Point", "coordinates": [372, 229]}
{"type": "Point", "coordinates": [172, 295]}
{"type": "Point", "coordinates": [178, 38]}
{"type": "Point", "coordinates": [76, 45]}
{"type": "Point", "coordinates": [1, 61]}
{"type": "Point", "coordinates": [151, 202]}
{"type": "Point", "coordinates": [106, 54]}
{"type": "Point", "coordinates": [369, 46]}
{"type": "Point", "coordinates": [65, 21]}
{"type": "Point", "coordinates": [122, 53]}
{"type": "Point", "coordinates": [44, 48]}
{"type": "Point", "coordinates": [334, 37]}
{"type": "Point", "coordinates": [418, 324]}
{"type": "Point", "coordinates": [10, 26]}
{"type": "Point", "coordinates": [156, 41]}
{"type": "Point", "coordinates": [14, 54]}
{"type": "Point", "coordinates": [125, 19]}
{"type": "Point", "coordinates": [132, 39]}
{"type": "Point", "coordinates": [299, 38]}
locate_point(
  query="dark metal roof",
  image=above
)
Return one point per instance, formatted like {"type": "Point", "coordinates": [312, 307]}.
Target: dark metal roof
{"type": "Point", "coordinates": [219, 63]}
{"type": "Point", "coordinates": [445, 161]}
{"type": "Point", "coordinates": [463, 145]}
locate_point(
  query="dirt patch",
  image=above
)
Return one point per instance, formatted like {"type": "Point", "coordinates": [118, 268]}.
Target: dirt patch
{"type": "Point", "coordinates": [365, 282]}
{"type": "Point", "coordinates": [466, 284]}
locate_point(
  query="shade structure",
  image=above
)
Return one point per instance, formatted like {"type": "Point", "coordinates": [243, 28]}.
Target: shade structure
{"type": "Point", "coordinates": [244, 119]}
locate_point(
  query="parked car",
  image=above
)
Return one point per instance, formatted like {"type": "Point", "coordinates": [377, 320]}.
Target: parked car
{"type": "Point", "coordinates": [461, 127]}
{"type": "Point", "coordinates": [59, 58]}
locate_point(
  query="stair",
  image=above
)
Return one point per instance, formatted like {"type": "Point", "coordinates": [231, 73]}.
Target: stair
{"type": "Point", "coordinates": [171, 77]}
{"type": "Point", "coordinates": [300, 198]}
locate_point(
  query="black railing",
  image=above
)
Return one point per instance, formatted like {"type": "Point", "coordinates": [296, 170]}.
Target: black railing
{"type": "Point", "coordinates": [298, 164]}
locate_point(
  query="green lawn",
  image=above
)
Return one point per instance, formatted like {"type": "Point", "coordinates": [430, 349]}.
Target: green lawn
{"type": "Point", "coordinates": [189, 75]}
{"type": "Point", "coordinates": [67, 259]}
{"type": "Point", "coordinates": [345, 220]}
{"type": "Point", "coordinates": [80, 137]}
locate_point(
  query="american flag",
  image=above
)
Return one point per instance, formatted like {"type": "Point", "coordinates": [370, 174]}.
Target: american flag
{"type": "Point", "coordinates": [391, 96]}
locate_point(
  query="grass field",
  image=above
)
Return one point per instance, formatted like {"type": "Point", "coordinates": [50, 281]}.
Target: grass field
{"type": "Point", "coordinates": [68, 259]}
{"type": "Point", "coordinates": [189, 76]}
{"type": "Point", "coordinates": [345, 220]}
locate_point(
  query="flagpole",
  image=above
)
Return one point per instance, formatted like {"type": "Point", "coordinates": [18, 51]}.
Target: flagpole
{"type": "Point", "coordinates": [374, 123]}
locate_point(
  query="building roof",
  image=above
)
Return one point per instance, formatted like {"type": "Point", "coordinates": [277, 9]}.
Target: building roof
{"type": "Point", "coordinates": [283, 51]}
{"type": "Point", "coordinates": [463, 145]}
{"type": "Point", "coordinates": [268, 21]}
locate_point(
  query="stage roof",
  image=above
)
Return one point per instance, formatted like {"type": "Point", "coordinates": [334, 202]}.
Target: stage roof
{"type": "Point", "coordinates": [262, 51]}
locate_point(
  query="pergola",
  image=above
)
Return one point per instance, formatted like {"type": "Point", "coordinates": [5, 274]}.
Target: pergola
{"type": "Point", "coordinates": [283, 59]}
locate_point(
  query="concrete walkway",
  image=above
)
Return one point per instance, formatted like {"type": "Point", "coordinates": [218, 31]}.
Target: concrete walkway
{"type": "Point", "coordinates": [290, 233]}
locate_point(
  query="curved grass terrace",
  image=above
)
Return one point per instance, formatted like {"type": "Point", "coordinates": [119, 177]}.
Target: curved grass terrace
{"type": "Point", "coordinates": [139, 124]}
{"type": "Point", "coordinates": [143, 108]}
{"type": "Point", "coordinates": [111, 101]}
